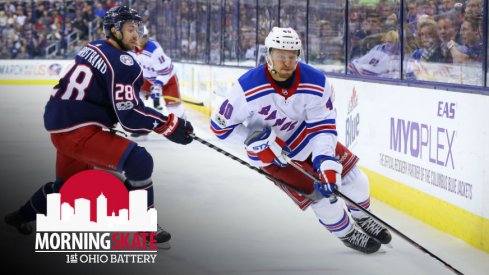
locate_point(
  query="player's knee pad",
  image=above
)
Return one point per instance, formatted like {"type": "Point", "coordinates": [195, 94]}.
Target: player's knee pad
{"type": "Point", "coordinates": [327, 211]}
{"type": "Point", "coordinates": [139, 166]}
{"type": "Point", "coordinates": [356, 187]}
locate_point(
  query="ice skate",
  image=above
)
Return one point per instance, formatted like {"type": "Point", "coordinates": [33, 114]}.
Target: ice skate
{"type": "Point", "coordinates": [157, 105]}
{"type": "Point", "coordinates": [15, 219]}
{"type": "Point", "coordinates": [375, 229]}
{"type": "Point", "coordinates": [162, 238]}
{"type": "Point", "coordinates": [360, 241]}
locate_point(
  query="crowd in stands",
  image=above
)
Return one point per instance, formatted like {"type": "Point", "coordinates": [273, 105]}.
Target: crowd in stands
{"type": "Point", "coordinates": [447, 32]}
{"type": "Point", "coordinates": [49, 29]}
{"type": "Point", "coordinates": [442, 40]}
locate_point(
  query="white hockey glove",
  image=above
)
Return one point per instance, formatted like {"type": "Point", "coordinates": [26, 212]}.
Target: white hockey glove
{"type": "Point", "coordinates": [266, 146]}
{"type": "Point", "coordinates": [330, 173]}
{"type": "Point", "coordinates": [156, 91]}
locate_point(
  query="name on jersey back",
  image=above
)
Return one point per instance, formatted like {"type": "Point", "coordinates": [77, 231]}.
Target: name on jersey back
{"type": "Point", "coordinates": [92, 57]}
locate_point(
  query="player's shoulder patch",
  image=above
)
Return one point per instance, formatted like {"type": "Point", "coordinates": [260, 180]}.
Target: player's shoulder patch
{"type": "Point", "coordinates": [220, 120]}
{"type": "Point", "coordinates": [127, 60]}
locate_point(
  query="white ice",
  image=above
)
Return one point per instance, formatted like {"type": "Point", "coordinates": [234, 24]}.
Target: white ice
{"type": "Point", "coordinates": [224, 217]}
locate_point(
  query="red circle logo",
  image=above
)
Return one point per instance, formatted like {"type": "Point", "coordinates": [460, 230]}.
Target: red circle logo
{"type": "Point", "coordinates": [90, 184]}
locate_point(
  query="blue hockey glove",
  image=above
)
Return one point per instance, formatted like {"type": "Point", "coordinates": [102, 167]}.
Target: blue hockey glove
{"type": "Point", "coordinates": [266, 146]}
{"type": "Point", "coordinates": [330, 174]}
{"type": "Point", "coordinates": [176, 129]}
{"type": "Point", "coordinates": [156, 91]}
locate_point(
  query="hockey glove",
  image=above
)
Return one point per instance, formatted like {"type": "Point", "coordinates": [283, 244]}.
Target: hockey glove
{"type": "Point", "coordinates": [266, 146]}
{"type": "Point", "coordinates": [156, 91]}
{"type": "Point", "coordinates": [330, 174]}
{"type": "Point", "coordinates": [176, 129]}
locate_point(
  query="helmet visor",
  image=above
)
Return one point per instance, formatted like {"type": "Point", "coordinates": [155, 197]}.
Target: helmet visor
{"type": "Point", "coordinates": [284, 56]}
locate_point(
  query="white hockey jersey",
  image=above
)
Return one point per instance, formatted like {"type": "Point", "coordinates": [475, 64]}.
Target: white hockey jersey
{"type": "Point", "coordinates": [157, 66]}
{"type": "Point", "coordinates": [379, 61]}
{"type": "Point", "coordinates": [303, 116]}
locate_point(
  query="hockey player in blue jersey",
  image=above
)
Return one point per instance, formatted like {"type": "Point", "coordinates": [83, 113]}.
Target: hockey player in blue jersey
{"type": "Point", "coordinates": [287, 105]}
{"type": "Point", "coordinates": [97, 92]}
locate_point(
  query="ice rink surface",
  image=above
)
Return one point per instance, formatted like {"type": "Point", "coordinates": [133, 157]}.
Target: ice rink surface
{"type": "Point", "coordinates": [224, 217]}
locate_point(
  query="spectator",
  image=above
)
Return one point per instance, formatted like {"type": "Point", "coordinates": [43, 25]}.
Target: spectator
{"type": "Point", "coordinates": [39, 25]}
{"type": "Point", "coordinates": [40, 44]}
{"type": "Point", "coordinates": [428, 50]}
{"type": "Point", "coordinates": [23, 54]}
{"type": "Point", "coordinates": [5, 54]}
{"type": "Point", "coordinates": [447, 36]}
{"type": "Point", "coordinates": [471, 40]}
{"type": "Point", "coordinates": [99, 10]}
{"type": "Point", "coordinates": [71, 51]}
{"type": "Point", "coordinates": [446, 5]}
{"type": "Point", "coordinates": [473, 9]}
{"type": "Point", "coordinates": [412, 13]}
{"type": "Point", "coordinates": [356, 43]}
{"type": "Point", "coordinates": [8, 31]}
{"type": "Point", "coordinates": [54, 33]}
{"type": "Point", "coordinates": [425, 7]}
{"type": "Point", "coordinates": [81, 26]}
{"type": "Point", "coordinates": [3, 19]}
{"type": "Point", "coordinates": [56, 17]}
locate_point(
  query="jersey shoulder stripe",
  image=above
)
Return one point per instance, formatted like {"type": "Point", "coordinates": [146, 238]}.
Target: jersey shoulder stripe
{"type": "Point", "coordinates": [311, 75]}
{"type": "Point", "coordinates": [255, 84]}
{"type": "Point", "coordinates": [309, 88]}
{"type": "Point", "coordinates": [259, 91]}
{"type": "Point", "coordinates": [150, 47]}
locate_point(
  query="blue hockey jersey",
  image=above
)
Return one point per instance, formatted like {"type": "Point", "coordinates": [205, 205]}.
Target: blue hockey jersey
{"type": "Point", "coordinates": [100, 88]}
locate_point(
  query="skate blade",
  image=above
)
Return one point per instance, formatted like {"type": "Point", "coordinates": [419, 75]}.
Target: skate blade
{"type": "Point", "coordinates": [381, 251]}
{"type": "Point", "coordinates": [389, 245]}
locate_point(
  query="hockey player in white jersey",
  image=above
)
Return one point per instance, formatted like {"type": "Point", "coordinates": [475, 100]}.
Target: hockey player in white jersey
{"type": "Point", "coordinates": [286, 105]}
{"type": "Point", "coordinates": [382, 60]}
{"type": "Point", "coordinates": [159, 75]}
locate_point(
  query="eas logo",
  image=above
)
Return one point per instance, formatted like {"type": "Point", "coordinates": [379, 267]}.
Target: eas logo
{"type": "Point", "coordinates": [94, 212]}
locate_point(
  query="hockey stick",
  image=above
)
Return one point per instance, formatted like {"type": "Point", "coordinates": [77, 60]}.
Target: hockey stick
{"type": "Point", "coordinates": [338, 193]}
{"type": "Point", "coordinates": [312, 196]}
{"type": "Point", "coordinates": [184, 100]}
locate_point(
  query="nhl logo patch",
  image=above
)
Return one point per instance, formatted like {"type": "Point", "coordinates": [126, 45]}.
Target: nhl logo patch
{"type": "Point", "coordinates": [127, 60]}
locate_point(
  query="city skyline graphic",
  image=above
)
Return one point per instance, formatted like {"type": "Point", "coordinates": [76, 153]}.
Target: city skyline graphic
{"type": "Point", "coordinates": [62, 217]}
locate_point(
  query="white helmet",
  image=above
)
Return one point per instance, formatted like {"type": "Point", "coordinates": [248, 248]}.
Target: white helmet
{"type": "Point", "coordinates": [145, 31]}
{"type": "Point", "coordinates": [284, 39]}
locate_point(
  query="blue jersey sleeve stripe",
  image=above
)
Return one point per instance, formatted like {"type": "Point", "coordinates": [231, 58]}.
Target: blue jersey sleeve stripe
{"type": "Point", "coordinates": [258, 95]}
{"type": "Point", "coordinates": [221, 133]}
{"type": "Point", "coordinates": [322, 122]}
